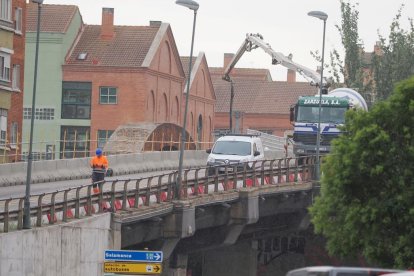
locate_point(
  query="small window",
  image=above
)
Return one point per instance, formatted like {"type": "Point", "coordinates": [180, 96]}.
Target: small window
{"type": "Point", "coordinates": [14, 130]}
{"type": "Point", "coordinates": [5, 9]}
{"type": "Point", "coordinates": [82, 56]}
{"type": "Point", "coordinates": [108, 95]}
{"type": "Point", "coordinates": [40, 113]}
{"type": "Point", "coordinates": [3, 126]}
{"type": "Point", "coordinates": [4, 66]}
{"type": "Point", "coordinates": [16, 77]}
{"type": "Point", "coordinates": [18, 20]}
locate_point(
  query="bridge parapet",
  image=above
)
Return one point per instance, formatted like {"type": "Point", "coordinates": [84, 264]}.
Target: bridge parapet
{"type": "Point", "coordinates": [142, 196]}
{"type": "Point", "coordinates": [64, 169]}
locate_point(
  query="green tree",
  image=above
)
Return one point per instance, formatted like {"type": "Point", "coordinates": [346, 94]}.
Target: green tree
{"type": "Point", "coordinates": [367, 187]}
{"type": "Point", "coordinates": [351, 41]}
{"type": "Point", "coordinates": [395, 62]}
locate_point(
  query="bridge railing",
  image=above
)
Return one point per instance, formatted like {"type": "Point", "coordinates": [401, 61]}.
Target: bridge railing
{"type": "Point", "coordinates": [123, 194]}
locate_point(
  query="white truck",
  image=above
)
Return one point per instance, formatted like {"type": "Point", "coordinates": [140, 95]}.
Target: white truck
{"type": "Point", "coordinates": [304, 115]}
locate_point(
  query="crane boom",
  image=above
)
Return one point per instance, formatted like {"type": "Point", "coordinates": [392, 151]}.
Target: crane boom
{"type": "Point", "coordinates": [254, 41]}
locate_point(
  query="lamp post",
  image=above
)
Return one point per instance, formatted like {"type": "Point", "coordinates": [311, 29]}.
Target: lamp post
{"type": "Point", "coordinates": [322, 16]}
{"type": "Point", "coordinates": [192, 5]}
{"type": "Point", "coordinates": [26, 213]}
{"type": "Point", "coordinates": [231, 106]}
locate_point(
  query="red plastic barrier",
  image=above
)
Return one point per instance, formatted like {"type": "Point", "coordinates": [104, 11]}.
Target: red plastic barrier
{"type": "Point", "coordinates": [118, 204]}
{"type": "Point", "coordinates": [86, 208]}
{"type": "Point", "coordinates": [49, 218]}
{"type": "Point", "coordinates": [69, 214]}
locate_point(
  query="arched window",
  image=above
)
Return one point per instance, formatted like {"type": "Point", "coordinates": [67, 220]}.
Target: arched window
{"type": "Point", "coordinates": [210, 134]}
{"type": "Point", "coordinates": [151, 106]}
{"type": "Point", "coordinates": [200, 128]}
{"type": "Point", "coordinates": [191, 126]}
{"type": "Point", "coordinates": [163, 112]}
{"type": "Point", "coordinates": [175, 115]}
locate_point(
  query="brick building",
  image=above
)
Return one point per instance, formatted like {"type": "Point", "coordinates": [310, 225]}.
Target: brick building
{"type": "Point", "coordinates": [12, 45]}
{"type": "Point", "coordinates": [200, 120]}
{"type": "Point", "coordinates": [259, 102]}
{"type": "Point", "coordinates": [116, 75]}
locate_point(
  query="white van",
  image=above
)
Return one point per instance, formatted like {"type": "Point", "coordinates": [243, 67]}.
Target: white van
{"type": "Point", "coordinates": [234, 149]}
{"type": "Point", "coordinates": [340, 271]}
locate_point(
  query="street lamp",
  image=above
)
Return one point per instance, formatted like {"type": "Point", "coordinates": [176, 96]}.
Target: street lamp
{"type": "Point", "coordinates": [192, 5]}
{"type": "Point", "coordinates": [26, 213]}
{"type": "Point", "coordinates": [231, 106]}
{"type": "Point", "coordinates": [322, 16]}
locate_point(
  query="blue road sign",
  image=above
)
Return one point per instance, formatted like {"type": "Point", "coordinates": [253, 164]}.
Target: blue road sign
{"type": "Point", "coordinates": [134, 256]}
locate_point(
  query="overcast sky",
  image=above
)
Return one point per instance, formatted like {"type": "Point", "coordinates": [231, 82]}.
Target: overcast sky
{"type": "Point", "coordinates": [222, 25]}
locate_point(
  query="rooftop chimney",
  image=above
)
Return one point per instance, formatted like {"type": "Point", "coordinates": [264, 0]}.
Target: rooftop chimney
{"type": "Point", "coordinates": [291, 74]}
{"type": "Point", "coordinates": [107, 28]}
{"type": "Point", "coordinates": [154, 23]}
{"type": "Point", "coordinates": [377, 48]}
{"type": "Point", "coordinates": [227, 58]}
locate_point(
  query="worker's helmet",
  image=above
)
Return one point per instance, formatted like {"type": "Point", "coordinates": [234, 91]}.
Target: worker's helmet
{"type": "Point", "coordinates": [98, 151]}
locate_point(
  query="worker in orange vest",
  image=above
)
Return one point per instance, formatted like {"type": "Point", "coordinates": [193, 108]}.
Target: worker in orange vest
{"type": "Point", "coordinates": [99, 165]}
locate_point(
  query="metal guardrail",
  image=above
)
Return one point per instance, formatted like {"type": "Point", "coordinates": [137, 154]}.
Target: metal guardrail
{"type": "Point", "coordinates": [76, 202]}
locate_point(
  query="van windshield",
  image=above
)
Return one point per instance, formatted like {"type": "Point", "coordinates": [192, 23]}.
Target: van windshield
{"type": "Point", "coordinates": [232, 148]}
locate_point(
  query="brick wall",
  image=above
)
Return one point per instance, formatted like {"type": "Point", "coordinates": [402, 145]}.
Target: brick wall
{"type": "Point", "coordinates": [15, 114]}
{"type": "Point", "coordinates": [277, 123]}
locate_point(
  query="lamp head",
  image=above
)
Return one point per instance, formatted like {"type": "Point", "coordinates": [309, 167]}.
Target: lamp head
{"type": "Point", "coordinates": [192, 5]}
{"type": "Point", "coordinates": [318, 14]}
{"type": "Point", "coordinates": [38, 1]}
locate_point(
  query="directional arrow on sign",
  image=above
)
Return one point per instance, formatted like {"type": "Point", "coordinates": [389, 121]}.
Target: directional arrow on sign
{"type": "Point", "coordinates": [156, 268]}
{"type": "Point", "coordinates": [157, 256]}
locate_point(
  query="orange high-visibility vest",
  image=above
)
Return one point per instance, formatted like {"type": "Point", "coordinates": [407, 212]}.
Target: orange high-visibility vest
{"type": "Point", "coordinates": [99, 162]}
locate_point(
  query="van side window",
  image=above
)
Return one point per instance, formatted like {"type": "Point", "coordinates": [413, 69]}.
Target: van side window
{"type": "Point", "coordinates": [254, 148]}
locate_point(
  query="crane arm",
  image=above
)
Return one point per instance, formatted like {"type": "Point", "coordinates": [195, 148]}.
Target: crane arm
{"type": "Point", "coordinates": [254, 41]}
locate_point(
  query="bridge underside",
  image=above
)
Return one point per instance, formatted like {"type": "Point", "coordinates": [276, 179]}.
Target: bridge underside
{"type": "Point", "coordinates": [186, 229]}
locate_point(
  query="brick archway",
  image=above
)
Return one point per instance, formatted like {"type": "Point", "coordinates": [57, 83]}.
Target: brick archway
{"type": "Point", "coordinates": [133, 138]}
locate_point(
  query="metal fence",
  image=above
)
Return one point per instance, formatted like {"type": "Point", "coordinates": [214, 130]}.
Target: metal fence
{"type": "Point", "coordinates": [74, 203]}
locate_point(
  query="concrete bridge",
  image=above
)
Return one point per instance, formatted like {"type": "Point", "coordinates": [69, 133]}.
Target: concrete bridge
{"type": "Point", "coordinates": [73, 227]}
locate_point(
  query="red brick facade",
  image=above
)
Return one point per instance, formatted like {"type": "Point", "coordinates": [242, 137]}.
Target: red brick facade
{"type": "Point", "coordinates": [148, 91]}
{"type": "Point", "coordinates": [200, 117]}
{"type": "Point", "coordinates": [15, 113]}
{"type": "Point", "coordinates": [276, 124]}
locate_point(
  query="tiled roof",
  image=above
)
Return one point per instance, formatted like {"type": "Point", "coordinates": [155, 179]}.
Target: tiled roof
{"type": "Point", "coordinates": [254, 96]}
{"type": "Point", "coordinates": [185, 61]}
{"type": "Point", "coordinates": [250, 73]}
{"type": "Point", "coordinates": [54, 18]}
{"type": "Point", "coordinates": [128, 47]}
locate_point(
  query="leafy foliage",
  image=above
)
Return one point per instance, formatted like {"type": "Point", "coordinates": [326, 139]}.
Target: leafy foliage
{"type": "Point", "coordinates": [367, 189]}
{"type": "Point", "coordinates": [373, 76]}
{"type": "Point", "coordinates": [396, 61]}
{"type": "Point", "coordinates": [351, 41]}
